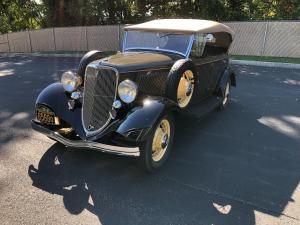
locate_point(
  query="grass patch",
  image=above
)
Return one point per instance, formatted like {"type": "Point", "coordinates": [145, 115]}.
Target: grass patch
{"type": "Point", "coordinates": [266, 58]}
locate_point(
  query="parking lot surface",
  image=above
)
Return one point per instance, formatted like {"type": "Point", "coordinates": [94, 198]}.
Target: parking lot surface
{"type": "Point", "coordinates": [238, 166]}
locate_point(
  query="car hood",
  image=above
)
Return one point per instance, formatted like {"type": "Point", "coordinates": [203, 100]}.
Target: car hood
{"type": "Point", "coordinates": [134, 61]}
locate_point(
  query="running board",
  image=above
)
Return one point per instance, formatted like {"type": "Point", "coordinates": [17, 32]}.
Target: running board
{"type": "Point", "coordinates": [202, 108]}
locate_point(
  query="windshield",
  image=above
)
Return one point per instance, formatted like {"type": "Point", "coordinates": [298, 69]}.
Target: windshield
{"type": "Point", "coordinates": [171, 42]}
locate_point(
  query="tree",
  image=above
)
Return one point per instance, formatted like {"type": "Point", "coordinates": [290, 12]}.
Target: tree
{"type": "Point", "coordinates": [288, 9]}
{"type": "Point", "coordinates": [16, 15]}
{"type": "Point", "coordinates": [27, 14]}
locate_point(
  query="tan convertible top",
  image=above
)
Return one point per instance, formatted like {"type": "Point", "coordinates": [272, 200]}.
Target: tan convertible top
{"type": "Point", "coordinates": [189, 26]}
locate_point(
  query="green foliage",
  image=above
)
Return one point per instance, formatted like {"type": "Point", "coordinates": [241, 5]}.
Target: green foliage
{"type": "Point", "coordinates": [27, 14]}
{"type": "Point", "coordinates": [16, 15]}
{"type": "Point", "coordinates": [94, 12]}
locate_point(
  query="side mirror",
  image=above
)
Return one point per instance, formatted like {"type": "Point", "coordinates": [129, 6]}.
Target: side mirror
{"type": "Point", "coordinates": [210, 38]}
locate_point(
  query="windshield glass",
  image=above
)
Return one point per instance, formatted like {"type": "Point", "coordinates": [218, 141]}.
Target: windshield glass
{"type": "Point", "coordinates": [157, 41]}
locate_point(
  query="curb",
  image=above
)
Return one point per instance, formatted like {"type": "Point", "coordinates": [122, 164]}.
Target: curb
{"type": "Point", "coordinates": [265, 64]}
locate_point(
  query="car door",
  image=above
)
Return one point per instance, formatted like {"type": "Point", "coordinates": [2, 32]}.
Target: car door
{"type": "Point", "coordinates": [203, 68]}
{"type": "Point", "coordinates": [218, 65]}
{"type": "Point", "coordinates": [204, 76]}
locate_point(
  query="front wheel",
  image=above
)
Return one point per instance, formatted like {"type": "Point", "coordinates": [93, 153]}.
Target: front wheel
{"type": "Point", "coordinates": [156, 149]}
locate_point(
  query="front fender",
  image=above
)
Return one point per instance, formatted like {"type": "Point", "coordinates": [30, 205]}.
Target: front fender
{"type": "Point", "coordinates": [55, 98]}
{"type": "Point", "coordinates": [143, 118]}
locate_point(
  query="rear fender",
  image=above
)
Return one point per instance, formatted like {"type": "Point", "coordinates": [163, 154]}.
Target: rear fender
{"type": "Point", "coordinates": [232, 78]}
{"type": "Point", "coordinates": [227, 75]}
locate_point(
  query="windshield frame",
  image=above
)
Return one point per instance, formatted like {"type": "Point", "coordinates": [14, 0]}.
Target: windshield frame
{"type": "Point", "coordinates": [186, 54]}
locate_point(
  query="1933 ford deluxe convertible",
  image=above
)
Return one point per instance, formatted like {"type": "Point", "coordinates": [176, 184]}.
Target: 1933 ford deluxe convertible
{"type": "Point", "coordinates": [125, 103]}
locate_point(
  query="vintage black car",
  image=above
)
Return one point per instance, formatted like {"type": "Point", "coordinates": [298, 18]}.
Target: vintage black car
{"type": "Point", "coordinates": [125, 103]}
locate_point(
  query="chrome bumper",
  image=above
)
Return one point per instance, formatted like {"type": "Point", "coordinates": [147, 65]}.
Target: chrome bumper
{"type": "Point", "coordinates": [129, 151]}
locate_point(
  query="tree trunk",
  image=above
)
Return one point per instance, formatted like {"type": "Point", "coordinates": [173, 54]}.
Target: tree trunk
{"type": "Point", "coordinates": [61, 13]}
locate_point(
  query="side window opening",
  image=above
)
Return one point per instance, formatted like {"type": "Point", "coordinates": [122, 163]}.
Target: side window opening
{"type": "Point", "coordinates": [198, 45]}
{"type": "Point", "coordinates": [217, 44]}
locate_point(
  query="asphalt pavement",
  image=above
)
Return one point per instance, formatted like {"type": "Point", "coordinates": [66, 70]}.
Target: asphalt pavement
{"type": "Point", "coordinates": [238, 166]}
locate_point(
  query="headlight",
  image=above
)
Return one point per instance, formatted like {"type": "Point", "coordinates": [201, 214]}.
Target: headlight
{"type": "Point", "coordinates": [70, 81]}
{"type": "Point", "coordinates": [127, 91]}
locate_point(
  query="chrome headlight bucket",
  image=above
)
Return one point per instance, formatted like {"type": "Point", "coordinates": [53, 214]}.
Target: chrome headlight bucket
{"type": "Point", "coordinates": [70, 81]}
{"type": "Point", "coordinates": [127, 91]}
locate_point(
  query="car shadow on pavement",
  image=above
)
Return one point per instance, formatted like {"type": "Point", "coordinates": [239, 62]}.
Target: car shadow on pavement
{"type": "Point", "coordinates": [220, 172]}
{"type": "Point", "coordinates": [113, 189]}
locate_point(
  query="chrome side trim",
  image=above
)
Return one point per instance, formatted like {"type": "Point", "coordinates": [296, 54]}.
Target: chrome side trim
{"type": "Point", "coordinates": [92, 133]}
{"type": "Point", "coordinates": [128, 151]}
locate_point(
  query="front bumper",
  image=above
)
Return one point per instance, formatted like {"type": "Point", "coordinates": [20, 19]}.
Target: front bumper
{"type": "Point", "coordinates": [128, 151]}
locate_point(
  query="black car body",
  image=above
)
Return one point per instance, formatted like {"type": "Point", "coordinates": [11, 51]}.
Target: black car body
{"type": "Point", "coordinates": [125, 103]}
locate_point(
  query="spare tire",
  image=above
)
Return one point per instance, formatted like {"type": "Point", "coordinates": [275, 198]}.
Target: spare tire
{"type": "Point", "coordinates": [181, 82]}
{"type": "Point", "coordinates": [87, 59]}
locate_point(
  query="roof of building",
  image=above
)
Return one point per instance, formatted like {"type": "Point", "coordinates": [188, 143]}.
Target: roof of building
{"type": "Point", "coordinates": [189, 26]}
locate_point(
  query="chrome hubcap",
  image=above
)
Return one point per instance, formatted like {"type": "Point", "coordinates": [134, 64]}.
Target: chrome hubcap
{"type": "Point", "coordinates": [161, 140]}
{"type": "Point", "coordinates": [185, 88]}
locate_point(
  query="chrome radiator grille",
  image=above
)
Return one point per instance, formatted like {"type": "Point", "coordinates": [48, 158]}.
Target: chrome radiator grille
{"type": "Point", "coordinates": [99, 94]}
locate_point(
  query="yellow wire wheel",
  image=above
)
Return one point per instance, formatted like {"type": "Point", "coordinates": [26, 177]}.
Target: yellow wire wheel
{"type": "Point", "coordinates": [226, 94]}
{"type": "Point", "coordinates": [225, 100]}
{"type": "Point", "coordinates": [156, 148]}
{"type": "Point", "coordinates": [185, 89]}
{"type": "Point", "coordinates": [161, 140]}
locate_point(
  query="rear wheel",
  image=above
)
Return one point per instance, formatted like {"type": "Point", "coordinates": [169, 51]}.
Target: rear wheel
{"type": "Point", "coordinates": [225, 100]}
{"type": "Point", "coordinates": [156, 149]}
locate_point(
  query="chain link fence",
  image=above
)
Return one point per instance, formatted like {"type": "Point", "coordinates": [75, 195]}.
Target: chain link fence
{"type": "Point", "coordinates": [103, 38]}
{"type": "Point", "coordinates": [280, 38]}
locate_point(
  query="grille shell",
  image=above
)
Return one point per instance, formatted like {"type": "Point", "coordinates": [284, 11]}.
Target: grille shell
{"type": "Point", "coordinates": [100, 86]}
